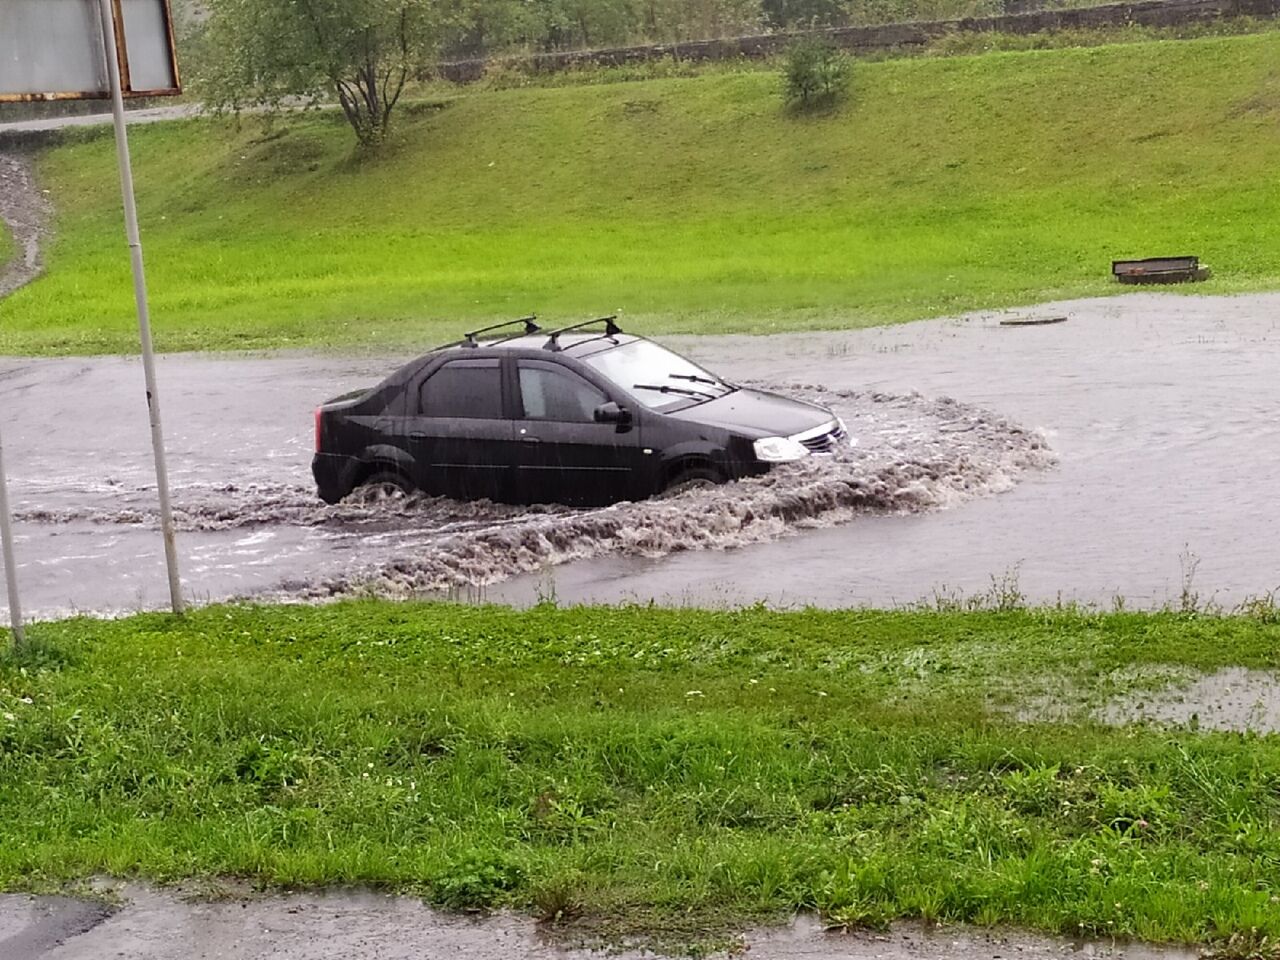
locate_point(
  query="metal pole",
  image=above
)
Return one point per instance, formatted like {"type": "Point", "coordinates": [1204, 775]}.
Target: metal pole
{"type": "Point", "coordinates": [10, 565]}
{"type": "Point", "coordinates": [140, 295]}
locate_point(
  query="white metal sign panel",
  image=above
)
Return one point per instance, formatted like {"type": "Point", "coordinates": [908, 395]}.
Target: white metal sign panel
{"type": "Point", "coordinates": [53, 49]}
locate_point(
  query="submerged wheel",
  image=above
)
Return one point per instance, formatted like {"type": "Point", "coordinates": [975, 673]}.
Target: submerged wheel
{"type": "Point", "coordinates": [386, 485]}
{"type": "Point", "coordinates": [692, 478]}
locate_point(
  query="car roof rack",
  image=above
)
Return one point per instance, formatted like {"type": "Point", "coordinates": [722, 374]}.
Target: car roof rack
{"type": "Point", "coordinates": [469, 339]}
{"type": "Point", "coordinates": [530, 327]}
{"type": "Point", "coordinates": [611, 329]}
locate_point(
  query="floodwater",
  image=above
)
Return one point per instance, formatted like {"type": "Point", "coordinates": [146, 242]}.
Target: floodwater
{"type": "Point", "coordinates": [1130, 446]}
{"type": "Point", "coordinates": [336, 925]}
{"type": "Point", "coordinates": [243, 536]}
{"type": "Point", "coordinates": [1160, 408]}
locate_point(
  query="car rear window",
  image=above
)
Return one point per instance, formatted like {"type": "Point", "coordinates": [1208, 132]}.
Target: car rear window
{"type": "Point", "coordinates": [469, 389]}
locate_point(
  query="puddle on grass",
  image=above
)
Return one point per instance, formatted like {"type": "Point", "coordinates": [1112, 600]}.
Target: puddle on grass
{"type": "Point", "coordinates": [165, 925]}
{"type": "Point", "coordinates": [1233, 699]}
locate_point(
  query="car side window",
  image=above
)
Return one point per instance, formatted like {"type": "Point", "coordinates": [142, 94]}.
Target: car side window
{"type": "Point", "coordinates": [553, 393]}
{"type": "Point", "coordinates": [463, 389]}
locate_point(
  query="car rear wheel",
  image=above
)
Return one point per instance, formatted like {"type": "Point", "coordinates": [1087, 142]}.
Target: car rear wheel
{"type": "Point", "coordinates": [692, 478]}
{"type": "Point", "coordinates": [386, 485]}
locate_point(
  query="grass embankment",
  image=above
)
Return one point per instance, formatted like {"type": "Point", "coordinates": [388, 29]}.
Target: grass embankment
{"type": "Point", "coordinates": [695, 204]}
{"type": "Point", "coordinates": [649, 770]}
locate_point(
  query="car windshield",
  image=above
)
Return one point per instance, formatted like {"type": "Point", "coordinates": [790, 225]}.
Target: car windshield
{"type": "Point", "coordinates": [657, 377]}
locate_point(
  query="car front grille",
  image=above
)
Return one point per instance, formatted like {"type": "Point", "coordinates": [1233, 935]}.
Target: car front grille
{"type": "Point", "coordinates": [825, 442]}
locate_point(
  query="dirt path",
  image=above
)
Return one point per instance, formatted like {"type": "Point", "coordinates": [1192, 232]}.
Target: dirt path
{"type": "Point", "coordinates": [26, 213]}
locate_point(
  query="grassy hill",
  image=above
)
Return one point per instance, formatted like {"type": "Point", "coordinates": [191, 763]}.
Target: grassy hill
{"type": "Point", "coordinates": [693, 204]}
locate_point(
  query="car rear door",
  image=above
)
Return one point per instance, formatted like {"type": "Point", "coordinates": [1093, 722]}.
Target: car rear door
{"type": "Point", "coordinates": [459, 435]}
{"type": "Point", "coordinates": [563, 455]}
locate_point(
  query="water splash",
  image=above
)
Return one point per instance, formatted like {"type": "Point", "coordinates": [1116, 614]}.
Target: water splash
{"type": "Point", "coordinates": [913, 454]}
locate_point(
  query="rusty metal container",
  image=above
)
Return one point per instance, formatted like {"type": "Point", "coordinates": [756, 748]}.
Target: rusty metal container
{"type": "Point", "coordinates": [1160, 270]}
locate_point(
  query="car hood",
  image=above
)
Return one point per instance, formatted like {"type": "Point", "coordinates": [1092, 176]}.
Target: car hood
{"type": "Point", "coordinates": [757, 413]}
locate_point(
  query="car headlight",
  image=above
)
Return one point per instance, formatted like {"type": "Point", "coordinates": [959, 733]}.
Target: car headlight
{"type": "Point", "coordinates": [780, 450]}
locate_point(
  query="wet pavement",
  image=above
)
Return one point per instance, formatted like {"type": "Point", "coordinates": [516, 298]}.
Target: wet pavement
{"type": "Point", "coordinates": [182, 111]}
{"type": "Point", "coordinates": [164, 925]}
{"type": "Point", "coordinates": [1159, 411]}
{"type": "Point", "coordinates": [25, 212]}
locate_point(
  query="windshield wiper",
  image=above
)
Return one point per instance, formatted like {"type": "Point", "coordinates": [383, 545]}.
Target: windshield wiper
{"type": "Point", "coordinates": [694, 378]}
{"type": "Point", "coordinates": [680, 390]}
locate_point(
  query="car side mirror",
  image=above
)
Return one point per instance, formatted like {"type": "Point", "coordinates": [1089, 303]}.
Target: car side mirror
{"type": "Point", "coordinates": [612, 413]}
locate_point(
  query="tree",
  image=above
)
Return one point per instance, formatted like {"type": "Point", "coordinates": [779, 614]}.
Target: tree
{"type": "Point", "coordinates": [262, 53]}
{"type": "Point", "coordinates": [805, 14]}
{"type": "Point", "coordinates": [815, 73]}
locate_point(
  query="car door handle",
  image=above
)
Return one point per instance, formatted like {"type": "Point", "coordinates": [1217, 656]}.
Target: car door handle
{"type": "Point", "coordinates": [530, 440]}
{"type": "Point", "coordinates": [416, 435]}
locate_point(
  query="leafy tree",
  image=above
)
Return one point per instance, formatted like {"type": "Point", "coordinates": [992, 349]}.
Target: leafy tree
{"type": "Point", "coordinates": [673, 20]}
{"type": "Point", "coordinates": [495, 25]}
{"type": "Point", "coordinates": [791, 14]}
{"type": "Point", "coordinates": [488, 26]}
{"type": "Point", "coordinates": [262, 53]}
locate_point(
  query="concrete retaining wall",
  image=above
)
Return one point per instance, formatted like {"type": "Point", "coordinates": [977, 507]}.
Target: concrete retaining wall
{"type": "Point", "coordinates": [895, 36]}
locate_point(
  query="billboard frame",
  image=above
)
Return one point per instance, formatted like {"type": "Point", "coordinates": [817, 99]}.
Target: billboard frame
{"type": "Point", "coordinates": [122, 60]}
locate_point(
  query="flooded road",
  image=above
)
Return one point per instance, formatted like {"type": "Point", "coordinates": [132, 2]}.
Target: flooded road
{"type": "Point", "coordinates": [1159, 412]}
{"type": "Point", "coordinates": [1162, 411]}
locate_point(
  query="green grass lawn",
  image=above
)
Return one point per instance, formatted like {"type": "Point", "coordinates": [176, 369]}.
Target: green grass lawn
{"type": "Point", "coordinates": [692, 204]}
{"type": "Point", "coordinates": [650, 771]}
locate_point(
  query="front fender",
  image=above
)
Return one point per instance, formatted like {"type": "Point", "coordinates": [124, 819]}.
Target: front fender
{"type": "Point", "coordinates": [677, 455]}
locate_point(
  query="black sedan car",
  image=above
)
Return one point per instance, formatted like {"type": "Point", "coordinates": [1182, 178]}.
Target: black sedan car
{"type": "Point", "coordinates": [575, 415]}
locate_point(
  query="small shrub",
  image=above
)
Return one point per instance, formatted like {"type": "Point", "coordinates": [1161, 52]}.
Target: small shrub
{"type": "Point", "coordinates": [816, 73]}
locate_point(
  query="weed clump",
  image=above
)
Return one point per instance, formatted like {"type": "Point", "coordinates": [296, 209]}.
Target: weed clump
{"type": "Point", "coordinates": [477, 880]}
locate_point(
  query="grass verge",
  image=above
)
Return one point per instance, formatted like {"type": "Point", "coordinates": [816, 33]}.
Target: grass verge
{"type": "Point", "coordinates": [695, 204]}
{"type": "Point", "coordinates": [638, 767]}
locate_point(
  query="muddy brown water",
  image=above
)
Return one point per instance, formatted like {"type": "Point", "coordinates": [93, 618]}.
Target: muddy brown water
{"type": "Point", "coordinates": [163, 925]}
{"type": "Point", "coordinates": [1159, 411]}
